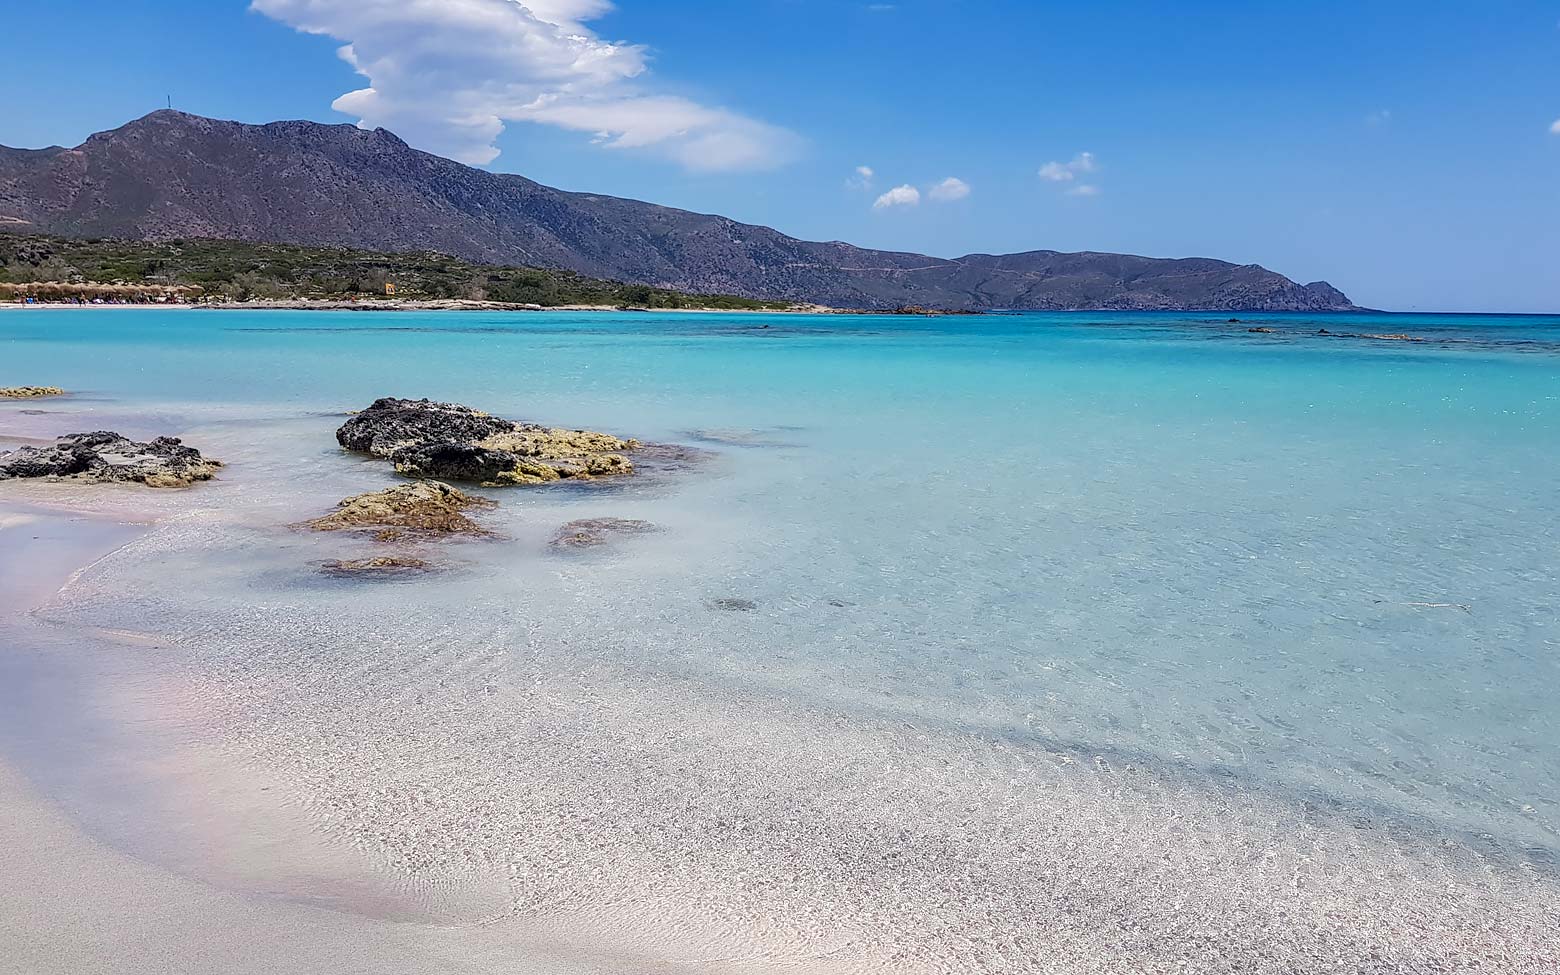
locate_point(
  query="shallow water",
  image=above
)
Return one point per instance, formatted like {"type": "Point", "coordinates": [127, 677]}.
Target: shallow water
{"type": "Point", "coordinates": [1007, 573]}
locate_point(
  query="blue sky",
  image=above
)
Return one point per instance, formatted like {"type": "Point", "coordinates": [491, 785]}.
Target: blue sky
{"type": "Point", "coordinates": [1402, 151]}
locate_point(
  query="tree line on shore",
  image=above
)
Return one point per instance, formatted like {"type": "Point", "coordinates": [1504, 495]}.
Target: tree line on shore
{"type": "Point", "coordinates": [52, 268]}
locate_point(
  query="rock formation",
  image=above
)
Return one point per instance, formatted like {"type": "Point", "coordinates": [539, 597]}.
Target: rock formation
{"type": "Point", "coordinates": [448, 441]}
{"type": "Point", "coordinates": [422, 508]}
{"type": "Point", "coordinates": [104, 457]}
{"type": "Point", "coordinates": [29, 392]}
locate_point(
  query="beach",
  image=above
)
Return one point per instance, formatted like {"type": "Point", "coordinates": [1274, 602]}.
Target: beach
{"type": "Point", "coordinates": [1104, 643]}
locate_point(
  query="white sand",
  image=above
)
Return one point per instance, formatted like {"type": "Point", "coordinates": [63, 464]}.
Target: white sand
{"type": "Point", "coordinates": [643, 826]}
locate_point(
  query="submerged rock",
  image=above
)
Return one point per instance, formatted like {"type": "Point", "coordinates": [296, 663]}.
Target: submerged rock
{"type": "Point", "coordinates": [1377, 337]}
{"type": "Point", "coordinates": [593, 532]}
{"type": "Point", "coordinates": [1260, 330]}
{"type": "Point", "coordinates": [737, 438]}
{"type": "Point", "coordinates": [452, 442]}
{"type": "Point", "coordinates": [29, 392]}
{"type": "Point", "coordinates": [105, 457]}
{"type": "Point", "coordinates": [426, 507]}
{"type": "Point", "coordinates": [731, 604]}
{"type": "Point", "coordinates": [384, 565]}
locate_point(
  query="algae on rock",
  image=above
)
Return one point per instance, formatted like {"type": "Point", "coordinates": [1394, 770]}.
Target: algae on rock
{"type": "Point", "coordinates": [448, 441]}
{"type": "Point", "coordinates": [425, 507]}
{"type": "Point", "coordinates": [29, 392]}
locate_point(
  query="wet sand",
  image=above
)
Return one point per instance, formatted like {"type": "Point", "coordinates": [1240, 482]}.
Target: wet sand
{"type": "Point", "coordinates": [132, 846]}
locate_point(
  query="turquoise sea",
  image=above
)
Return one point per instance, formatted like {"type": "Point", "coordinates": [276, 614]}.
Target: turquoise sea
{"type": "Point", "coordinates": [1015, 579]}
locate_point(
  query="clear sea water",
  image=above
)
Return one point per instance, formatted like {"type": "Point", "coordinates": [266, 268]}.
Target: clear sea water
{"type": "Point", "coordinates": [1319, 570]}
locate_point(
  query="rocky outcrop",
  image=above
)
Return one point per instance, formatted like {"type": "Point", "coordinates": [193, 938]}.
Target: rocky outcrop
{"type": "Point", "coordinates": [390, 424]}
{"type": "Point", "coordinates": [595, 532]}
{"type": "Point", "coordinates": [423, 508]}
{"type": "Point", "coordinates": [448, 441]}
{"type": "Point", "coordinates": [381, 565]}
{"type": "Point", "coordinates": [29, 392]}
{"type": "Point", "coordinates": [105, 457]}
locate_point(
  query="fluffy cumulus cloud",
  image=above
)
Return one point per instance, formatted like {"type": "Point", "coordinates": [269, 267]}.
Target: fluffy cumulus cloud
{"type": "Point", "coordinates": [899, 196]}
{"type": "Point", "coordinates": [1070, 172]}
{"type": "Point", "coordinates": [447, 75]}
{"type": "Point", "coordinates": [950, 189]}
{"type": "Point", "coordinates": [1060, 172]}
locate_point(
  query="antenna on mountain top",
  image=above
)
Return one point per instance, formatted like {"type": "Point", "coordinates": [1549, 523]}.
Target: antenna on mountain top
{"type": "Point", "coordinates": [170, 103]}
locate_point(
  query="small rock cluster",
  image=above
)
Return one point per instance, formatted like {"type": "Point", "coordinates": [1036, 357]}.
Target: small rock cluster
{"type": "Point", "coordinates": [450, 442]}
{"type": "Point", "coordinates": [105, 457]}
{"type": "Point", "coordinates": [595, 532]}
{"type": "Point", "coordinates": [423, 508]}
{"type": "Point", "coordinates": [29, 392]}
{"type": "Point", "coordinates": [379, 565]}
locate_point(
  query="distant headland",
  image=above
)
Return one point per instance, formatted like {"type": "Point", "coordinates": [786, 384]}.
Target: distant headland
{"type": "Point", "coordinates": [172, 176]}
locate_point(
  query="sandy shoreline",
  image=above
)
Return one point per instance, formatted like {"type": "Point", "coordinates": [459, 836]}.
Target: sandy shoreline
{"type": "Point", "coordinates": [74, 903]}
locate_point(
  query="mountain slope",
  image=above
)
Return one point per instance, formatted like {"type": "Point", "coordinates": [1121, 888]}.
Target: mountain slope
{"type": "Point", "coordinates": [172, 175]}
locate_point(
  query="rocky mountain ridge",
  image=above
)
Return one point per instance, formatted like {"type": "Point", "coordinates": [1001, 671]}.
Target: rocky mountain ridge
{"type": "Point", "coordinates": [171, 175]}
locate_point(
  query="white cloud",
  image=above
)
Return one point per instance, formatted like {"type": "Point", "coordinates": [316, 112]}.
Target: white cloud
{"type": "Point", "coordinates": [949, 189]}
{"type": "Point", "coordinates": [1056, 172]}
{"type": "Point", "coordinates": [862, 178]}
{"type": "Point", "coordinates": [1555, 128]}
{"type": "Point", "coordinates": [1059, 172]}
{"type": "Point", "coordinates": [899, 196]}
{"type": "Point", "coordinates": [1082, 164]}
{"type": "Point", "coordinates": [446, 75]}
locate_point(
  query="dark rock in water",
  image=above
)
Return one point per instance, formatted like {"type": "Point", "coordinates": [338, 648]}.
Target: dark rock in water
{"type": "Point", "coordinates": [593, 532]}
{"type": "Point", "coordinates": [453, 442]}
{"type": "Point", "coordinates": [426, 507]}
{"type": "Point", "coordinates": [1261, 330]}
{"type": "Point", "coordinates": [105, 457]}
{"type": "Point", "coordinates": [454, 462]}
{"type": "Point", "coordinates": [391, 424]}
{"type": "Point", "coordinates": [731, 604]}
{"type": "Point", "coordinates": [384, 565]}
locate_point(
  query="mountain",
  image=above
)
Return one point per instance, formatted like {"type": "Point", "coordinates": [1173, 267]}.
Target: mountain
{"type": "Point", "coordinates": [171, 175]}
